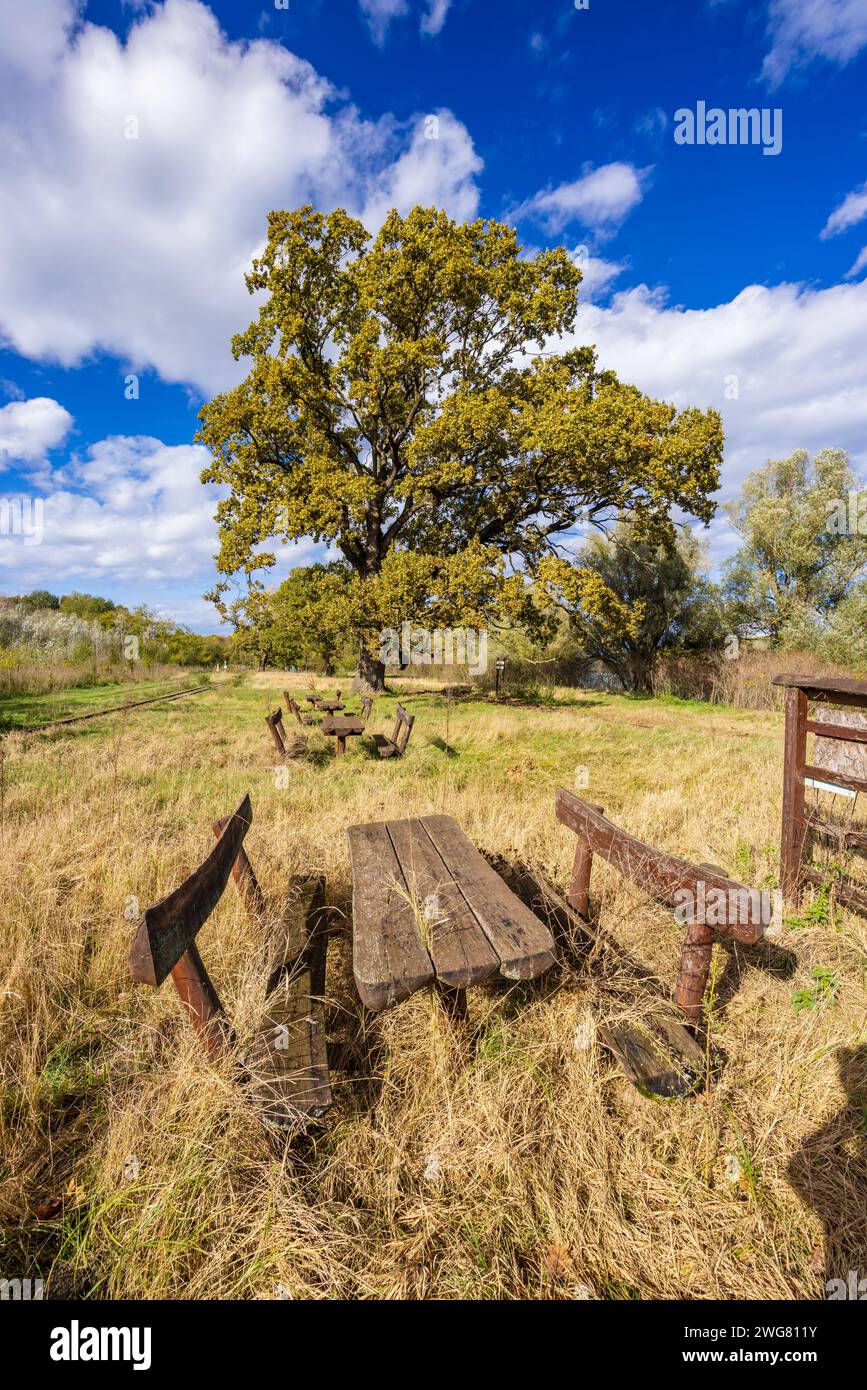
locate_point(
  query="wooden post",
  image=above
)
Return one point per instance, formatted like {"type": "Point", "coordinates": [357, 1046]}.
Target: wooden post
{"type": "Point", "coordinates": [579, 893]}
{"type": "Point", "coordinates": [271, 720]}
{"type": "Point", "coordinates": [694, 970]}
{"type": "Point", "coordinates": [197, 994]}
{"type": "Point", "coordinates": [242, 872]}
{"type": "Point", "coordinates": [794, 760]}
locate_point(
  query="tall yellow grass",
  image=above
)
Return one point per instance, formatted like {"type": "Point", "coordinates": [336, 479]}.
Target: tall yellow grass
{"type": "Point", "coordinates": [511, 1162]}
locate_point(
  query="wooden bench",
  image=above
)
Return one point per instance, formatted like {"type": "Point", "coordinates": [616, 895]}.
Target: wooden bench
{"type": "Point", "coordinates": [294, 708]}
{"type": "Point", "coordinates": [705, 898]}
{"type": "Point", "coordinates": [395, 747]}
{"type": "Point", "coordinates": [428, 909]}
{"type": "Point", "coordinates": [286, 1069]}
{"type": "Point", "coordinates": [294, 747]}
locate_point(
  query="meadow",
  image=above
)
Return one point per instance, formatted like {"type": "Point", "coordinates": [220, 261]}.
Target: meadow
{"type": "Point", "coordinates": [512, 1161]}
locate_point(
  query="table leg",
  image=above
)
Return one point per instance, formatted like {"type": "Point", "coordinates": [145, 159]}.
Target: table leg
{"type": "Point", "coordinates": [454, 1002]}
{"type": "Point", "coordinates": [341, 746]}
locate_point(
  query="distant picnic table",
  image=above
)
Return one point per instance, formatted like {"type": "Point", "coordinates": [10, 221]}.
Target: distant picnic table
{"type": "Point", "coordinates": [341, 729]}
{"type": "Point", "coordinates": [428, 908]}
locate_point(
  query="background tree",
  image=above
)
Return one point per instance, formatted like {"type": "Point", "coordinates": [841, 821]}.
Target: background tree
{"type": "Point", "coordinates": [311, 617]}
{"type": "Point", "coordinates": [392, 408]}
{"type": "Point", "coordinates": [802, 554]}
{"type": "Point", "coordinates": [630, 598]}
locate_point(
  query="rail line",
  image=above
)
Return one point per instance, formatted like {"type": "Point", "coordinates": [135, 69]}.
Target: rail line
{"type": "Point", "coordinates": [100, 713]}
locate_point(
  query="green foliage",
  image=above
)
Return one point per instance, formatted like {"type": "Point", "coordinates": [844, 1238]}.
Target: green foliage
{"type": "Point", "coordinates": [796, 575]}
{"type": "Point", "coordinates": [825, 987]}
{"type": "Point", "coordinates": [40, 599]}
{"type": "Point", "coordinates": [631, 597]}
{"type": "Point", "coordinates": [393, 408]}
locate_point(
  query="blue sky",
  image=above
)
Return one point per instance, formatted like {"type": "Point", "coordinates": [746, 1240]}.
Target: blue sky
{"type": "Point", "coordinates": [142, 146]}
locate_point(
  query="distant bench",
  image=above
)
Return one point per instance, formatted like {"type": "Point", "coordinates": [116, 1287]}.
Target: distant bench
{"type": "Point", "coordinates": [294, 746]}
{"type": "Point", "coordinates": [286, 1069]}
{"type": "Point", "coordinates": [395, 747]}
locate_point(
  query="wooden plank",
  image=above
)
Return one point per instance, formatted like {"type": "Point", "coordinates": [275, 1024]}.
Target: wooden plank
{"type": "Point", "coordinates": [389, 958]}
{"type": "Point", "coordinates": [848, 733]}
{"type": "Point", "coordinates": [288, 1062]}
{"type": "Point", "coordinates": [662, 875]}
{"type": "Point", "coordinates": [523, 944]}
{"type": "Point", "coordinates": [822, 774]}
{"type": "Point", "coordinates": [169, 928]}
{"type": "Point", "coordinates": [461, 953]}
{"type": "Point", "coordinates": [835, 690]}
{"type": "Point", "coordinates": [841, 745]}
{"type": "Point", "coordinates": [651, 1066]}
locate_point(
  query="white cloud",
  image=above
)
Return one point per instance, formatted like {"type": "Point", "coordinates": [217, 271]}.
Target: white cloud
{"type": "Point", "coordinates": [794, 355]}
{"type": "Point", "coordinates": [137, 246]}
{"type": "Point", "coordinates": [129, 516]}
{"type": "Point", "coordinates": [28, 429]}
{"type": "Point", "coordinates": [597, 274]}
{"type": "Point", "coordinates": [434, 16]}
{"type": "Point", "coordinates": [802, 30]}
{"type": "Point", "coordinates": [380, 13]}
{"type": "Point", "coordinates": [600, 199]}
{"type": "Point", "coordinates": [859, 264]}
{"type": "Point", "coordinates": [849, 213]}
{"type": "Point", "coordinates": [438, 168]}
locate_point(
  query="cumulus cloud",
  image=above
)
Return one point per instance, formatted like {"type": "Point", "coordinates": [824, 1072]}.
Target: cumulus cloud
{"type": "Point", "coordinates": [600, 199]}
{"type": "Point", "coordinates": [849, 213]}
{"type": "Point", "coordinates": [802, 30]}
{"type": "Point", "coordinates": [28, 429]}
{"type": "Point", "coordinates": [135, 179]}
{"type": "Point", "coordinates": [783, 365]}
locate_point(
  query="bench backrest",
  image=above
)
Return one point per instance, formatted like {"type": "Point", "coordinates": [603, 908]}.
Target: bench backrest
{"type": "Point", "coordinates": [402, 729]}
{"type": "Point", "coordinates": [366, 707]}
{"type": "Point", "coordinates": [169, 928]}
{"type": "Point", "coordinates": [275, 724]}
{"type": "Point", "coordinates": [721, 900]}
{"type": "Point", "coordinates": [293, 707]}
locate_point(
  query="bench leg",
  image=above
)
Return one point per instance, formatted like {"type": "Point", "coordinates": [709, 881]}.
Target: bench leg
{"type": "Point", "coordinates": [579, 893]}
{"type": "Point", "coordinates": [199, 997]}
{"type": "Point", "coordinates": [694, 970]}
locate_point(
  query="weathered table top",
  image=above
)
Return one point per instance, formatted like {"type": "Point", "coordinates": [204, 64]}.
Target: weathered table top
{"type": "Point", "coordinates": [342, 724]}
{"type": "Point", "coordinates": [426, 905]}
{"type": "Point", "coordinates": [330, 705]}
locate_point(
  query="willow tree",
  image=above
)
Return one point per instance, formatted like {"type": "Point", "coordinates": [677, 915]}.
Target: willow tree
{"type": "Point", "coordinates": [399, 403]}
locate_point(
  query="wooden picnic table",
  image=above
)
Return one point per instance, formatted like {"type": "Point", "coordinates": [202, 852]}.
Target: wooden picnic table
{"type": "Point", "coordinates": [428, 908]}
{"type": "Point", "coordinates": [330, 706]}
{"type": "Point", "coordinates": [342, 729]}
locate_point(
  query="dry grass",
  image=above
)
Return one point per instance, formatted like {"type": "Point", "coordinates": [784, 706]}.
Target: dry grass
{"type": "Point", "coordinates": [512, 1164]}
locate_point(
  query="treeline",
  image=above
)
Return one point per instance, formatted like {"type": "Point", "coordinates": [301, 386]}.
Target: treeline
{"type": "Point", "coordinates": [47, 640]}
{"type": "Point", "coordinates": [640, 611]}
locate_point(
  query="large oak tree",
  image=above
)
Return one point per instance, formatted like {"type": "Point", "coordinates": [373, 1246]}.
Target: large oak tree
{"type": "Point", "coordinates": [399, 404]}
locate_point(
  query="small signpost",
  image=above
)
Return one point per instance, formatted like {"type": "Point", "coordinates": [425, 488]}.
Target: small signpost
{"type": "Point", "coordinates": [500, 668]}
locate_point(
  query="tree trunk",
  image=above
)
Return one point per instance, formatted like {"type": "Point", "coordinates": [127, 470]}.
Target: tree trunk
{"type": "Point", "coordinates": [369, 673]}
